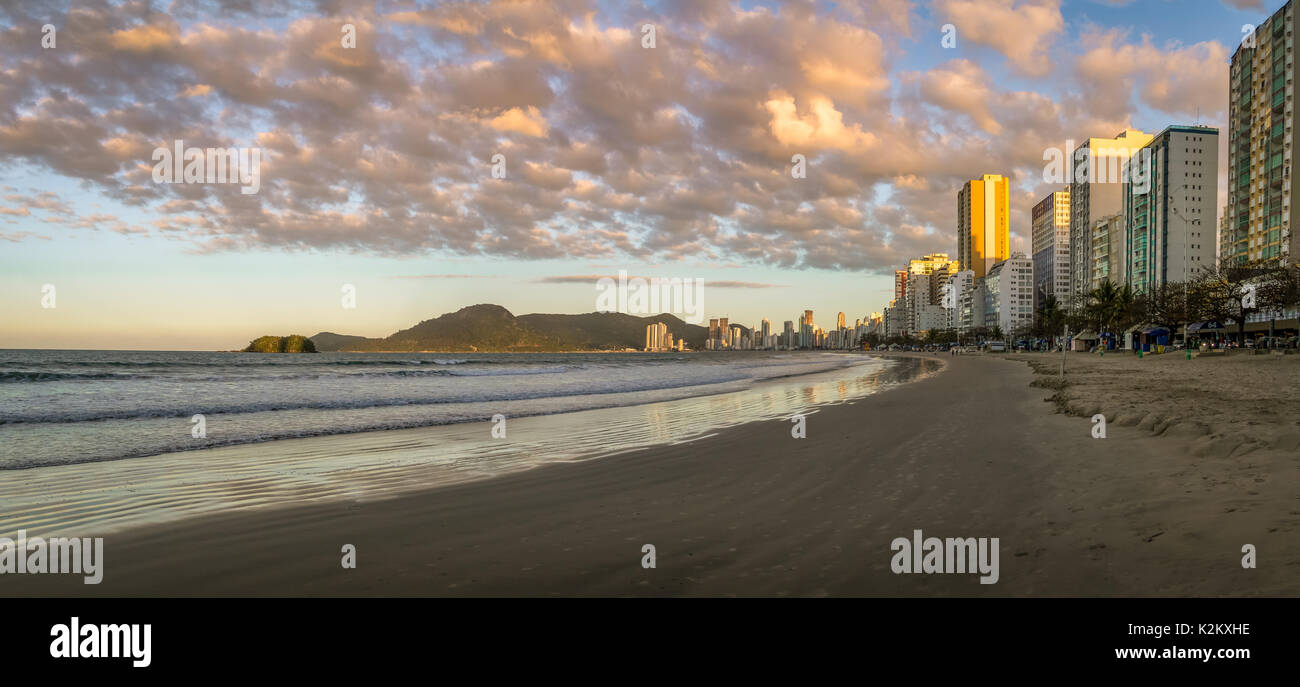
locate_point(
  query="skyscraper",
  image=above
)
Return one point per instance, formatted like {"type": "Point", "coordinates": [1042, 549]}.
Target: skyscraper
{"type": "Point", "coordinates": [1261, 120]}
{"type": "Point", "coordinates": [983, 223]}
{"type": "Point", "coordinates": [1096, 192]}
{"type": "Point", "coordinates": [1051, 247]}
{"type": "Point", "coordinates": [1106, 249]}
{"type": "Point", "coordinates": [1008, 296]}
{"type": "Point", "coordinates": [656, 337]}
{"type": "Point", "coordinates": [923, 298]}
{"type": "Point", "coordinates": [806, 330]}
{"type": "Point", "coordinates": [957, 285]}
{"type": "Point", "coordinates": [1170, 215]}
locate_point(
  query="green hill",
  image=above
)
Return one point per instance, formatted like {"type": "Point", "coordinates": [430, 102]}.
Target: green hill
{"type": "Point", "coordinates": [492, 328]}
{"type": "Point", "coordinates": [329, 341]}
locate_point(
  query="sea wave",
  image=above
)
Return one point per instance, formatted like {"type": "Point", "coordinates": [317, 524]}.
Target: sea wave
{"type": "Point", "coordinates": [20, 376]}
{"type": "Point", "coordinates": [511, 393]}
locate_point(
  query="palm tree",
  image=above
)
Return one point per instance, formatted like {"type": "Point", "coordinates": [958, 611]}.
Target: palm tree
{"type": "Point", "coordinates": [1103, 305]}
{"type": "Point", "coordinates": [1050, 317]}
{"type": "Point", "coordinates": [1125, 314]}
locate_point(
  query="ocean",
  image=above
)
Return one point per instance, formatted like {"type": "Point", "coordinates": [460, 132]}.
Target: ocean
{"type": "Point", "coordinates": [60, 407]}
{"type": "Point", "coordinates": [110, 438]}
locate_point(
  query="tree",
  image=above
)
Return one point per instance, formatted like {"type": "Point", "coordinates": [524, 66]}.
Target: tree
{"type": "Point", "coordinates": [1049, 318]}
{"type": "Point", "coordinates": [1102, 305]}
{"type": "Point", "coordinates": [1167, 305]}
{"type": "Point", "coordinates": [294, 343]}
{"type": "Point", "coordinates": [1279, 291]}
{"type": "Point", "coordinates": [1128, 308]}
{"type": "Point", "coordinates": [1231, 292]}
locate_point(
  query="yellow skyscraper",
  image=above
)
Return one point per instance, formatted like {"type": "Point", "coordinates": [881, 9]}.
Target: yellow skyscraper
{"type": "Point", "coordinates": [983, 223]}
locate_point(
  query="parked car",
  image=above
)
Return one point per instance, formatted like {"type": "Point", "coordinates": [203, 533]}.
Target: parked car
{"type": "Point", "coordinates": [1277, 342]}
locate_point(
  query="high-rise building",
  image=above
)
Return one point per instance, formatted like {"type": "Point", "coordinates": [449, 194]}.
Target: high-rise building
{"type": "Point", "coordinates": [1169, 207]}
{"type": "Point", "coordinates": [895, 323]}
{"type": "Point", "coordinates": [900, 285]}
{"type": "Point", "coordinates": [1096, 191]}
{"type": "Point", "coordinates": [657, 337]}
{"type": "Point", "coordinates": [983, 223]}
{"type": "Point", "coordinates": [1225, 235]}
{"type": "Point", "coordinates": [1107, 252]}
{"type": "Point", "coordinates": [954, 287]}
{"type": "Point", "coordinates": [929, 264]}
{"type": "Point", "coordinates": [789, 336]}
{"type": "Point", "coordinates": [924, 294]}
{"type": "Point", "coordinates": [970, 305]}
{"type": "Point", "coordinates": [1051, 247]}
{"type": "Point", "coordinates": [839, 321]}
{"type": "Point", "coordinates": [1261, 122]}
{"type": "Point", "coordinates": [1009, 296]}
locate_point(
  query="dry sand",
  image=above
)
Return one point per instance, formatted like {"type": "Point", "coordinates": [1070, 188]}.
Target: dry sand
{"type": "Point", "coordinates": [1230, 404]}
{"type": "Point", "coordinates": [973, 451]}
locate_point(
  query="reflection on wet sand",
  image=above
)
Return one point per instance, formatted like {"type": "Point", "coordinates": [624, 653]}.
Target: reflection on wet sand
{"type": "Point", "coordinates": [100, 497]}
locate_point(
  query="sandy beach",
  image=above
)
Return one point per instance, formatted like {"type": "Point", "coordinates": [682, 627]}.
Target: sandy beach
{"type": "Point", "coordinates": [973, 451]}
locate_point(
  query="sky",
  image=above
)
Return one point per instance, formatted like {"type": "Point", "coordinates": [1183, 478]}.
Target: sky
{"type": "Point", "coordinates": [670, 160]}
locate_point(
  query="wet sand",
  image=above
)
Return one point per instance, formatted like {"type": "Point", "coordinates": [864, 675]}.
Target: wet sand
{"type": "Point", "coordinates": [973, 451]}
{"type": "Point", "coordinates": [104, 497]}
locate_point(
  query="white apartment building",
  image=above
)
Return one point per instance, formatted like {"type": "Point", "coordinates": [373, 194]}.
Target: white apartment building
{"type": "Point", "coordinates": [1051, 247]}
{"type": "Point", "coordinates": [1009, 295]}
{"type": "Point", "coordinates": [1170, 218]}
{"type": "Point", "coordinates": [1096, 191]}
{"type": "Point", "coordinates": [956, 285]}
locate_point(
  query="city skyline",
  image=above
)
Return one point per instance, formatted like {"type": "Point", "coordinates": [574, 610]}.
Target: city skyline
{"type": "Point", "coordinates": [410, 216]}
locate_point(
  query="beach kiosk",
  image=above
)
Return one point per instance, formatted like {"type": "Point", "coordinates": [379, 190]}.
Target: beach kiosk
{"type": "Point", "coordinates": [1084, 341]}
{"type": "Point", "coordinates": [1153, 339]}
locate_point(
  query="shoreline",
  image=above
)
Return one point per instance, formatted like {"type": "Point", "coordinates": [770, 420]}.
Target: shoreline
{"type": "Point", "coordinates": [750, 511]}
{"type": "Point", "coordinates": [118, 494]}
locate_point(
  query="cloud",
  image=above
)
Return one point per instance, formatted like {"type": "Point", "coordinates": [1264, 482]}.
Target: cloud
{"type": "Point", "coordinates": [615, 153]}
{"type": "Point", "coordinates": [821, 128]}
{"type": "Point", "coordinates": [1024, 31]}
{"type": "Point", "coordinates": [1176, 79]}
